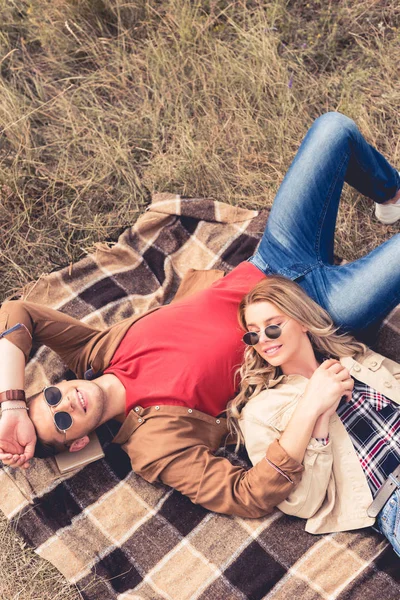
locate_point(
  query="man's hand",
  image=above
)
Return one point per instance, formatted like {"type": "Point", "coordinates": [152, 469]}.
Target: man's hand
{"type": "Point", "coordinates": [17, 438]}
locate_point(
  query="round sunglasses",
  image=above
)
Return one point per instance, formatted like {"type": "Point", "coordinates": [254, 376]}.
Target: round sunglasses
{"type": "Point", "coordinates": [272, 332]}
{"type": "Point", "coordinates": [62, 420]}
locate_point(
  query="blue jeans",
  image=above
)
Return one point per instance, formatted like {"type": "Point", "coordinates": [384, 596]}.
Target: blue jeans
{"type": "Point", "coordinates": [298, 240]}
{"type": "Point", "coordinates": [388, 520]}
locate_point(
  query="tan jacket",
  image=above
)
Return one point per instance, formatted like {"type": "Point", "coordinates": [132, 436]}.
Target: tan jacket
{"type": "Point", "coordinates": [333, 494]}
{"type": "Point", "coordinates": [167, 443]}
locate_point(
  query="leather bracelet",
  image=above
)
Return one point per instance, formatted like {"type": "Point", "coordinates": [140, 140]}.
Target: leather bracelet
{"type": "Point", "coordinates": [12, 395]}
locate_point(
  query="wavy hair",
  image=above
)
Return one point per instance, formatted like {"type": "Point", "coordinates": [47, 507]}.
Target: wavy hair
{"type": "Point", "coordinates": [255, 373]}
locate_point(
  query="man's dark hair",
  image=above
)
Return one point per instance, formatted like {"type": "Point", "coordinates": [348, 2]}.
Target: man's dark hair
{"type": "Point", "coordinates": [43, 450]}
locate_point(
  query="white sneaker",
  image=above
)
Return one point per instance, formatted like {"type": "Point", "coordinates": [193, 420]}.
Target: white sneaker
{"type": "Point", "coordinates": [388, 213]}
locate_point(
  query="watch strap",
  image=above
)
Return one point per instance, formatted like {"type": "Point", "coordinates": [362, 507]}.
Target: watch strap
{"type": "Point", "coordinates": [12, 395]}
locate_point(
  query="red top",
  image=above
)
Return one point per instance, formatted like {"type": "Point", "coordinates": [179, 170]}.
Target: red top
{"type": "Point", "coordinates": [187, 353]}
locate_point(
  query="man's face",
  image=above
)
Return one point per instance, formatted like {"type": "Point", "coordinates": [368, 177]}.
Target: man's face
{"type": "Point", "coordinates": [83, 400]}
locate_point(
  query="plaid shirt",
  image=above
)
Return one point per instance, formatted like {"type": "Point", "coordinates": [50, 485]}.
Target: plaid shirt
{"type": "Point", "coordinates": [373, 424]}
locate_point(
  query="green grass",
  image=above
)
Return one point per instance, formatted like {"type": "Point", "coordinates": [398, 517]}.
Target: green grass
{"type": "Point", "coordinates": [103, 102]}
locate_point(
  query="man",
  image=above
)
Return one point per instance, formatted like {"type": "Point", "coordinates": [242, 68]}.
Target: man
{"type": "Point", "coordinates": [169, 374]}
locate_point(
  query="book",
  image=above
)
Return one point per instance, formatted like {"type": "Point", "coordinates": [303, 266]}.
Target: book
{"type": "Point", "coordinates": [69, 461]}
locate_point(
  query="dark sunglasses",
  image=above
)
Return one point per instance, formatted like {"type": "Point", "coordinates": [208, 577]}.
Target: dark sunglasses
{"type": "Point", "coordinates": [62, 420]}
{"type": "Point", "coordinates": [272, 332]}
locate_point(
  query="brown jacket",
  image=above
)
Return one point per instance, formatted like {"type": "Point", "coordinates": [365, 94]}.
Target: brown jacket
{"type": "Point", "coordinates": [171, 444]}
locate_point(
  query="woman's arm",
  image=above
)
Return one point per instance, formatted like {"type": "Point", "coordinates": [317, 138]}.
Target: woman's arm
{"type": "Point", "coordinates": [309, 495]}
{"type": "Point", "coordinates": [304, 500]}
{"type": "Point", "coordinates": [310, 416]}
{"type": "Point", "coordinates": [298, 431]}
{"type": "Point", "coordinates": [324, 390]}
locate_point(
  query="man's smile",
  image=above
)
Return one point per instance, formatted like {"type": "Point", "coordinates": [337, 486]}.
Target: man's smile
{"type": "Point", "coordinates": [82, 400]}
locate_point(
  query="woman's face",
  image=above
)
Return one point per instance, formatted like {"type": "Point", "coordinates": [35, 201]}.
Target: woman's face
{"type": "Point", "coordinates": [286, 348]}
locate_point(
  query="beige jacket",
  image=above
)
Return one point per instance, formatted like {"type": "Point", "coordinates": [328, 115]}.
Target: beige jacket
{"type": "Point", "coordinates": [333, 494]}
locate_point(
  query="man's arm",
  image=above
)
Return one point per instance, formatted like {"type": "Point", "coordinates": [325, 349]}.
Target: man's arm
{"type": "Point", "coordinates": [12, 367]}
{"type": "Point", "coordinates": [17, 434]}
{"type": "Point", "coordinates": [216, 484]}
{"type": "Point", "coordinates": [222, 487]}
{"type": "Point", "coordinates": [68, 337]}
{"type": "Point", "coordinates": [21, 324]}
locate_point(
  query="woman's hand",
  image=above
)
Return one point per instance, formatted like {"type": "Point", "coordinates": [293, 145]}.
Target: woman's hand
{"type": "Point", "coordinates": [327, 386]}
{"type": "Point", "coordinates": [17, 438]}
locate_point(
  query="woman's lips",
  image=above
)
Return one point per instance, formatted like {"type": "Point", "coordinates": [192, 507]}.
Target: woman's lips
{"type": "Point", "coordinates": [272, 350]}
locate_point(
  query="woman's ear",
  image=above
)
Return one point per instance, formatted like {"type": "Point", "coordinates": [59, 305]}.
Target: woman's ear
{"type": "Point", "coordinates": [79, 444]}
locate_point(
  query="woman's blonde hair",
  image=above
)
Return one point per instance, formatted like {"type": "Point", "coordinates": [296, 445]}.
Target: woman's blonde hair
{"type": "Point", "coordinates": [255, 373]}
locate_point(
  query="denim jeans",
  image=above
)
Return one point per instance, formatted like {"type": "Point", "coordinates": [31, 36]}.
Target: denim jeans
{"type": "Point", "coordinates": [388, 520]}
{"type": "Point", "coordinates": [298, 240]}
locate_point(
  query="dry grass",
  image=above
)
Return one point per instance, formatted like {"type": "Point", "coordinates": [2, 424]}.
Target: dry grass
{"type": "Point", "coordinates": [103, 102]}
{"type": "Point", "coordinates": [24, 576]}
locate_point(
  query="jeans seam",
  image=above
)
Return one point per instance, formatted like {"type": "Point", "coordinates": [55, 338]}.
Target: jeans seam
{"type": "Point", "coordinates": [380, 316]}
{"type": "Point", "coordinates": [327, 202]}
{"type": "Point", "coordinates": [362, 168]}
{"type": "Point", "coordinates": [397, 518]}
{"type": "Point", "coordinates": [377, 316]}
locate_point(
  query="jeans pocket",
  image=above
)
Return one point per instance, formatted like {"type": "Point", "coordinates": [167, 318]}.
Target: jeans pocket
{"type": "Point", "coordinates": [389, 521]}
{"type": "Point", "coordinates": [387, 517]}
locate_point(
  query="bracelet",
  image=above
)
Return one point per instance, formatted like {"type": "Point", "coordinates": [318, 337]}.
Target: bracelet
{"type": "Point", "coordinates": [15, 408]}
{"type": "Point", "coordinates": [12, 395]}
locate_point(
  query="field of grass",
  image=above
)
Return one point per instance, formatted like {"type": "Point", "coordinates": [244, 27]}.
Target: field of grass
{"type": "Point", "coordinates": [103, 102]}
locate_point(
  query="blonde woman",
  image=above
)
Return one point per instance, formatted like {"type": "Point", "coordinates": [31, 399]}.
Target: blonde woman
{"type": "Point", "coordinates": [294, 352]}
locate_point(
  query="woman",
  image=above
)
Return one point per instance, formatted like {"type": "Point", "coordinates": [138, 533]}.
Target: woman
{"type": "Point", "coordinates": [294, 352]}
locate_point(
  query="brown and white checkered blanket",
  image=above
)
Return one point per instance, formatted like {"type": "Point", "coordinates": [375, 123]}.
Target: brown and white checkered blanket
{"type": "Point", "coordinates": [115, 535]}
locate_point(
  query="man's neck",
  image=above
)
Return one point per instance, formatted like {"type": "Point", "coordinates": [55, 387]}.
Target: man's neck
{"type": "Point", "coordinates": [115, 393]}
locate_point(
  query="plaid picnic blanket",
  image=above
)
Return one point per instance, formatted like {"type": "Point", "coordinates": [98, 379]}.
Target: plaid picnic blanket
{"type": "Point", "coordinates": [116, 536]}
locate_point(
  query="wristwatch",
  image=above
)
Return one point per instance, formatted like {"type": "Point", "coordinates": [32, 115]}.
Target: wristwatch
{"type": "Point", "coordinates": [12, 395]}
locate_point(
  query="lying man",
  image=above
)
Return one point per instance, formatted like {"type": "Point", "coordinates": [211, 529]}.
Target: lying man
{"type": "Point", "coordinates": [168, 375]}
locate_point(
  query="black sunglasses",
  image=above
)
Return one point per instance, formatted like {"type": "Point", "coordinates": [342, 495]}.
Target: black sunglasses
{"type": "Point", "coordinates": [62, 420]}
{"type": "Point", "coordinates": [272, 332]}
